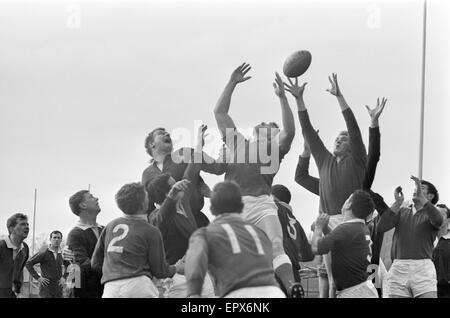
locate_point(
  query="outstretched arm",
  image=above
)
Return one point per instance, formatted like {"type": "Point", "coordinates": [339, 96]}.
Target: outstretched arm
{"type": "Point", "coordinates": [356, 142]}
{"type": "Point", "coordinates": [389, 219]}
{"type": "Point", "coordinates": [374, 143]}
{"type": "Point", "coordinates": [310, 135]}
{"type": "Point", "coordinates": [196, 263]}
{"type": "Point", "coordinates": [302, 176]}
{"type": "Point", "coordinates": [224, 120]}
{"type": "Point", "coordinates": [287, 133]}
{"type": "Point", "coordinates": [421, 202]}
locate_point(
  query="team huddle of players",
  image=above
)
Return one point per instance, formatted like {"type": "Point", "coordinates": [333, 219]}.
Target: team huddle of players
{"type": "Point", "coordinates": [164, 246]}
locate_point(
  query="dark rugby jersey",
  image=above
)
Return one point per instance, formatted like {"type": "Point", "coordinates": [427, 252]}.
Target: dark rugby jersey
{"type": "Point", "coordinates": [350, 247]}
{"type": "Point", "coordinates": [295, 242]}
{"type": "Point", "coordinates": [338, 180]}
{"type": "Point", "coordinates": [236, 253]}
{"type": "Point", "coordinates": [130, 247]}
{"type": "Point", "coordinates": [177, 170]}
{"type": "Point", "coordinates": [414, 233]}
{"type": "Point", "coordinates": [252, 168]}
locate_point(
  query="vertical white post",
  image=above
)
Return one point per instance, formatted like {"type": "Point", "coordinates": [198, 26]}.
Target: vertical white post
{"type": "Point", "coordinates": [422, 102]}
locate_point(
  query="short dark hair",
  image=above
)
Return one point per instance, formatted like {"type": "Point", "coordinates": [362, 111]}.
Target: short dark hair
{"type": "Point", "coordinates": [130, 198]}
{"type": "Point", "coordinates": [281, 193]}
{"type": "Point", "coordinates": [443, 206]}
{"type": "Point", "coordinates": [56, 232]}
{"type": "Point", "coordinates": [431, 189]}
{"type": "Point", "coordinates": [158, 188]}
{"type": "Point", "coordinates": [150, 138]}
{"type": "Point", "coordinates": [362, 204]}
{"type": "Point", "coordinates": [75, 201]}
{"type": "Point", "coordinates": [14, 219]}
{"type": "Point", "coordinates": [226, 198]}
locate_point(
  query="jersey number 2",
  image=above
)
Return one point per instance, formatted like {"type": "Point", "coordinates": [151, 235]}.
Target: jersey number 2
{"type": "Point", "coordinates": [118, 249]}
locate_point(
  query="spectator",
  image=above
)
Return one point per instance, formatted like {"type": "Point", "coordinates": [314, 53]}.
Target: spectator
{"type": "Point", "coordinates": [13, 256]}
{"type": "Point", "coordinates": [51, 280]}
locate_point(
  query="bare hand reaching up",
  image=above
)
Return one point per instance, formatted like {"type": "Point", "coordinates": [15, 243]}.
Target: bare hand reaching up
{"type": "Point", "coordinates": [294, 89]}
{"type": "Point", "coordinates": [335, 90]}
{"type": "Point", "coordinates": [238, 75]}
{"type": "Point", "coordinates": [376, 112]}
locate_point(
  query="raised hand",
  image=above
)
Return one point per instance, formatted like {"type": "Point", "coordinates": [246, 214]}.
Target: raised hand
{"type": "Point", "coordinates": [398, 195]}
{"type": "Point", "coordinates": [418, 196]}
{"type": "Point", "coordinates": [178, 189]}
{"type": "Point", "coordinates": [322, 221]}
{"type": "Point", "coordinates": [201, 136]}
{"type": "Point", "coordinates": [376, 112]}
{"type": "Point", "coordinates": [43, 281]}
{"type": "Point", "coordinates": [335, 90]}
{"type": "Point", "coordinates": [294, 89]}
{"type": "Point", "coordinates": [238, 75]}
{"type": "Point", "coordinates": [278, 85]}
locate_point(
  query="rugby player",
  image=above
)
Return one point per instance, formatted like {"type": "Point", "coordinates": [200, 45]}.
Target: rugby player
{"type": "Point", "coordinates": [250, 168]}
{"type": "Point", "coordinates": [237, 253]}
{"type": "Point", "coordinates": [130, 251]}
{"type": "Point", "coordinates": [349, 244]}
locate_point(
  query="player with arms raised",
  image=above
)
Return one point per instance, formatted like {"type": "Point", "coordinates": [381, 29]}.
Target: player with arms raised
{"type": "Point", "coordinates": [247, 168]}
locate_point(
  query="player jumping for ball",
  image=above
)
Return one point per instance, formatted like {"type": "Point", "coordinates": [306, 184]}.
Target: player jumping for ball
{"type": "Point", "coordinates": [340, 172]}
{"type": "Point", "coordinates": [250, 168]}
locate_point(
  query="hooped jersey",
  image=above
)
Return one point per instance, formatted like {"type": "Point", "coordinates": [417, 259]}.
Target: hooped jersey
{"type": "Point", "coordinates": [237, 254]}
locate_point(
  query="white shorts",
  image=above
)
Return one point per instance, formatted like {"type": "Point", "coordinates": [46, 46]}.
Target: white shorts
{"type": "Point", "coordinates": [257, 292]}
{"type": "Point", "coordinates": [135, 287]}
{"type": "Point", "coordinates": [257, 208]}
{"type": "Point", "coordinates": [412, 277]}
{"type": "Point", "coordinates": [176, 287]}
{"type": "Point", "coordinates": [364, 290]}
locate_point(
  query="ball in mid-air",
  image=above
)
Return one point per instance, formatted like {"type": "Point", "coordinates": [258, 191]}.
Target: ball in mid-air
{"type": "Point", "coordinates": [297, 63]}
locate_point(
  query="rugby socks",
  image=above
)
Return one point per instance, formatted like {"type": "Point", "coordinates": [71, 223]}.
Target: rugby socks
{"type": "Point", "coordinates": [283, 269]}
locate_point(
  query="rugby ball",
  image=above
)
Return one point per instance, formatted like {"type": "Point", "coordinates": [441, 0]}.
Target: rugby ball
{"type": "Point", "coordinates": [297, 63]}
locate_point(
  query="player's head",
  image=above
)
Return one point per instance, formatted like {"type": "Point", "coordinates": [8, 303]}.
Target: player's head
{"type": "Point", "coordinates": [359, 204]}
{"type": "Point", "coordinates": [430, 191]}
{"type": "Point", "coordinates": [341, 144]}
{"type": "Point", "coordinates": [17, 225]}
{"type": "Point", "coordinates": [84, 202]}
{"type": "Point", "coordinates": [226, 198]}
{"type": "Point", "coordinates": [445, 212]}
{"type": "Point", "coordinates": [159, 187]}
{"type": "Point", "coordinates": [282, 193]}
{"type": "Point", "coordinates": [158, 140]}
{"type": "Point", "coordinates": [55, 238]}
{"type": "Point", "coordinates": [132, 199]}
{"type": "Point", "coordinates": [265, 131]}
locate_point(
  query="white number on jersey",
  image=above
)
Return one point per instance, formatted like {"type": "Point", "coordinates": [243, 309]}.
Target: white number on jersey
{"type": "Point", "coordinates": [369, 257]}
{"type": "Point", "coordinates": [235, 247]}
{"type": "Point", "coordinates": [118, 249]}
{"type": "Point", "coordinates": [291, 228]}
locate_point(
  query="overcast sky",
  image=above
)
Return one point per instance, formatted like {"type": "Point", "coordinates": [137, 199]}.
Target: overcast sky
{"type": "Point", "coordinates": [83, 82]}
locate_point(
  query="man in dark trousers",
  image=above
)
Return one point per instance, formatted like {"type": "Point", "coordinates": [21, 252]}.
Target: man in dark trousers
{"type": "Point", "coordinates": [13, 256]}
{"type": "Point", "coordinates": [81, 243]}
{"type": "Point", "coordinates": [51, 280]}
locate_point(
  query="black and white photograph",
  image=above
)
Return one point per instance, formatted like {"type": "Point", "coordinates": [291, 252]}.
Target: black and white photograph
{"type": "Point", "coordinates": [215, 149]}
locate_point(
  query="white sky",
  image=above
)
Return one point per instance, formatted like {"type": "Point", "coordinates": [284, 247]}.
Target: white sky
{"type": "Point", "coordinates": [77, 100]}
